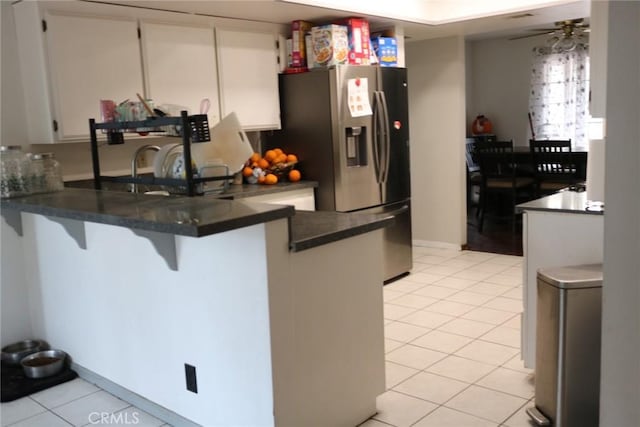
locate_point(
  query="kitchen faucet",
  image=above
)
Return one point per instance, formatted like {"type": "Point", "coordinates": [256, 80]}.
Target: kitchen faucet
{"type": "Point", "coordinates": [134, 162]}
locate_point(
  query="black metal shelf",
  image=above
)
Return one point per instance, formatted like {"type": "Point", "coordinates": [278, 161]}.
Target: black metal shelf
{"type": "Point", "coordinates": [194, 129]}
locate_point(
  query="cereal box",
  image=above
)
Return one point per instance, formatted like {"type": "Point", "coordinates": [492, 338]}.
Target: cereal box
{"type": "Point", "coordinates": [309, 46]}
{"type": "Point", "coordinates": [330, 45]}
{"type": "Point", "coordinates": [386, 49]}
{"type": "Point", "coordinates": [298, 50]}
{"type": "Point", "coordinates": [359, 49]}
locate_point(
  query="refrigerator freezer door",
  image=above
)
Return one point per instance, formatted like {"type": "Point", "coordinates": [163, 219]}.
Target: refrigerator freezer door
{"type": "Point", "coordinates": [397, 248]}
{"type": "Point", "coordinates": [357, 176]}
{"type": "Point", "coordinates": [393, 83]}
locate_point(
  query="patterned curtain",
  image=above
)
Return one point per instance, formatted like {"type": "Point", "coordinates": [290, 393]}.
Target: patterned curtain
{"type": "Point", "coordinates": [559, 98]}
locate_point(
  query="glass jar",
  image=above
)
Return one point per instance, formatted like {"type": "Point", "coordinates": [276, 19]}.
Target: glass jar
{"type": "Point", "coordinates": [14, 170]}
{"type": "Point", "coordinates": [46, 174]}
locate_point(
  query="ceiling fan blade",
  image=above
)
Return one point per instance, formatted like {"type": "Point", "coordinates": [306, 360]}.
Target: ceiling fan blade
{"type": "Point", "coordinates": [545, 29]}
{"type": "Point", "coordinates": [532, 35]}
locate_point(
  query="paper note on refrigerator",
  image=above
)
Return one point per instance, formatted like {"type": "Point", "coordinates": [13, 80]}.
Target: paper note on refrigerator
{"type": "Point", "coordinates": [358, 97]}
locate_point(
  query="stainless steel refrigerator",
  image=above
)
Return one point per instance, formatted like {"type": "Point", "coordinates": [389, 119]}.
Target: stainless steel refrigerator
{"type": "Point", "coordinates": [360, 160]}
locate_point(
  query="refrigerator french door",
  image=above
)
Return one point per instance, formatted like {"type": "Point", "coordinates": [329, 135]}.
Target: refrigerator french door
{"type": "Point", "coordinates": [360, 158]}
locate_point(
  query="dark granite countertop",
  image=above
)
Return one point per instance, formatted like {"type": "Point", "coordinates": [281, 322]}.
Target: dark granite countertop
{"type": "Point", "coordinates": [186, 216]}
{"type": "Point", "coordinates": [564, 201]}
{"type": "Point", "coordinates": [314, 228]}
{"type": "Point", "coordinates": [195, 216]}
{"type": "Point", "coordinates": [234, 192]}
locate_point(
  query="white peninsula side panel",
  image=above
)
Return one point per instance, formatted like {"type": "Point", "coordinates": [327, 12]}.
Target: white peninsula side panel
{"type": "Point", "coordinates": [277, 337]}
{"type": "Point", "coordinates": [328, 332]}
{"type": "Point", "coordinates": [554, 239]}
{"type": "Point", "coordinates": [120, 312]}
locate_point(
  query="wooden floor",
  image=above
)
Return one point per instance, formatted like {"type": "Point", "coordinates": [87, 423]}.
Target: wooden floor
{"type": "Point", "coordinates": [498, 235]}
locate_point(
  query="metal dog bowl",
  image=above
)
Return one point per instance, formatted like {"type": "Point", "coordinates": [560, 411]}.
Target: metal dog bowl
{"type": "Point", "coordinates": [14, 353]}
{"type": "Point", "coordinates": [43, 363]}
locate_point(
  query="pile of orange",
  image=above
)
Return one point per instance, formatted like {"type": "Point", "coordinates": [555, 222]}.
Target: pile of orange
{"type": "Point", "coordinates": [267, 168]}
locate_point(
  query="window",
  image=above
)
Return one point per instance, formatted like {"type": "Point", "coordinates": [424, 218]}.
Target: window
{"type": "Point", "coordinates": [559, 97]}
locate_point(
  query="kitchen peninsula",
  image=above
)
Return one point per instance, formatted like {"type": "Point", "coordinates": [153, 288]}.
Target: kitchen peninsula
{"type": "Point", "coordinates": [278, 311]}
{"type": "Point", "coordinates": [558, 230]}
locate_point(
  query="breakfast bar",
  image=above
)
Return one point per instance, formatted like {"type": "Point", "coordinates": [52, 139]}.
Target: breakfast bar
{"type": "Point", "coordinates": [159, 282]}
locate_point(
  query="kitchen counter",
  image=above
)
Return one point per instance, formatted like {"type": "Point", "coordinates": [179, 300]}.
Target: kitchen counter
{"type": "Point", "coordinates": [564, 201]}
{"type": "Point", "coordinates": [198, 216]}
{"type": "Point", "coordinates": [184, 216]}
{"type": "Point", "coordinates": [234, 191]}
{"type": "Point", "coordinates": [558, 230]}
{"type": "Point", "coordinates": [311, 229]}
{"type": "Point", "coordinates": [272, 297]}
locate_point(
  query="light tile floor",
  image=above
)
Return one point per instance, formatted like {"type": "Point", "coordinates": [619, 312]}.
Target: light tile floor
{"type": "Point", "coordinates": [452, 343]}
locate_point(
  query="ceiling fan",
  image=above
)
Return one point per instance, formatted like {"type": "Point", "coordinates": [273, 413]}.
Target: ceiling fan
{"type": "Point", "coordinates": [570, 28]}
{"type": "Point", "coordinates": [565, 37]}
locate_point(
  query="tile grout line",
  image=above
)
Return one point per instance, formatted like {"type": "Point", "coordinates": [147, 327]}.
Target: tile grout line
{"type": "Point", "coordinates": [75, 399]}
{"type": "Point", "coordinates": [474, 339]}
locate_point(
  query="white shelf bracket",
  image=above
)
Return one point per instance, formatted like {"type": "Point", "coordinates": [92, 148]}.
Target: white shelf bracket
{"type": "Point", "coordinates": [13, 219]}
{"type": "Point", "coordinates": [163, 243]}
{"type": "Point", "coordinates": [74, 228]}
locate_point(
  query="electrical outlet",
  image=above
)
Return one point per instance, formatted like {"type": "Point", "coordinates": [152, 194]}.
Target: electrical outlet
{"type": "Point", "coordinates": [190, 375]}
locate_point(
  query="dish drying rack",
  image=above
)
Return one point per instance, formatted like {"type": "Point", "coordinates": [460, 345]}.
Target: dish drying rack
{"type": "Point", "coordinates": [193, 129]}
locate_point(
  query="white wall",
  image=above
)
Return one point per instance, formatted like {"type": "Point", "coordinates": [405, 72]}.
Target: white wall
{"type": "Point", "coordinates": [11, 115]}
{"type": "Point", "coordinates": [437, 114]}
{"type": "Point", "coordinates": [16, 325]}
{"type": "Point", "coordinates": [120, 312]}
{"type": "Point", "coordinates": [620, 390]}
{"type": "Point", "coordinates": [500, 78]}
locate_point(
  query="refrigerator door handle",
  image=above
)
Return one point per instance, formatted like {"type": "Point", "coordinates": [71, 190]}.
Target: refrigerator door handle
{"type": "Point", "coordinates": [387, 137]}
{"type": "Point", "coordinates": [376, 137]}
{"type": "Point", "coordinates": [398, 211]}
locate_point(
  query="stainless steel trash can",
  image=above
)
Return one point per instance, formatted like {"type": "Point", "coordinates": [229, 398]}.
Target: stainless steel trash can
{"type": "Point", "coordinates": [567, 376]}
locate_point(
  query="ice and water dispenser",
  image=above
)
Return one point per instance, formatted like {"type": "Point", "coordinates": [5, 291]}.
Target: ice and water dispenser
{"type": "Point", "coordinates": [356, 138]}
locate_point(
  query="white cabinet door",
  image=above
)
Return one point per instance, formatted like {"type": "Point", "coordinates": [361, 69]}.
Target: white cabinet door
{"type": "Point", "coordinates": [180, 66]}
{"type": "Point", "coordinates": [248, 77]}
{"type": "Point", "coordinates": [91, 58]}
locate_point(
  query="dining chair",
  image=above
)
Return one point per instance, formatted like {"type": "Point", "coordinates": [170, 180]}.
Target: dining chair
{"type": "Point", "coordinates": [498, 170]}
{"type": "Point", "coordinates": [474, 178]}
{"type": "Point", "coordinates": [553, 164]}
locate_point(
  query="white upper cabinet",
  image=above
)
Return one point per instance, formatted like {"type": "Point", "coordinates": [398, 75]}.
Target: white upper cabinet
{"type": "Point", "coordinates": [248, 77]}
{"type": "Point", "coordinates": [90, 59]}
{"type": "Point", "coordinates": [180, 66]}
{"type": "Point", "coordinates": [70, 61]}
{"type": "Point", "coordinates": [74, 54]}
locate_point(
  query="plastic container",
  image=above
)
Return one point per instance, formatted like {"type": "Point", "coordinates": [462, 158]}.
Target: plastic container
{"type": "Point", "coordinates": [14, 172]}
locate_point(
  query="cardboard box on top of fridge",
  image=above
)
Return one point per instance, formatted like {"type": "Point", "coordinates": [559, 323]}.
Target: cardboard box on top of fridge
{"type": "Point", "coordinates": [298, 50]}
{"type": "Point", "coordinates": [330, 45]}
{"type": "Point", "coordinates": [309, 46]}
{"type": "Point", "coordinates": [386, 49]}
{"type": "Point", "coordinates": [359, 43]}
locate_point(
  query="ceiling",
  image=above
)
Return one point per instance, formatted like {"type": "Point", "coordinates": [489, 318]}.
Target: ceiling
{"type": "Point", "coordinates": [282, 12]}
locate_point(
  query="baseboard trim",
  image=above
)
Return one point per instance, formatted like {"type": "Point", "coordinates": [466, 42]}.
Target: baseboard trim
{"type": "Point", "coordinates": [136, 400]}
{"type": "Point", "coordinates": [435, 244]}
